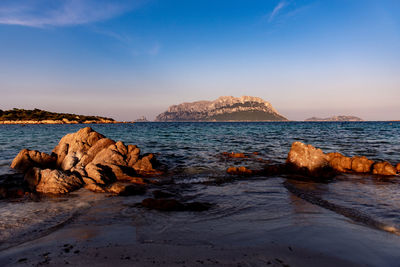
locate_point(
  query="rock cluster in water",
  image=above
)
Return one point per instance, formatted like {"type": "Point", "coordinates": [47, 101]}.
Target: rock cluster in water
{"type": "Point", "coordinates": [86, 159]}
{"type": "Point", "coordinates": [306, 160]}
{"type": "Point", "coordinates": [314, 162]}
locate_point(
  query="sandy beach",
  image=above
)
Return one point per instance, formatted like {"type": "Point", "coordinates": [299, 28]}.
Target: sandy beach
{"type": "Point", "coordinates": [116, 231]}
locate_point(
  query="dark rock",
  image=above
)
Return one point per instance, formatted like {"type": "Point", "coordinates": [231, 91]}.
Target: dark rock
{"type": "Point", "coordinates": [383, 168]}
{"type": "Point", "coordinates": [162, 194]}
{"type": "Point", "coordinates": [197, 206]}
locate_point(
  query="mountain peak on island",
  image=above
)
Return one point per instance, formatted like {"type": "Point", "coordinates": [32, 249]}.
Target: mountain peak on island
{"type": "Point", "coordinates": [224, 108]}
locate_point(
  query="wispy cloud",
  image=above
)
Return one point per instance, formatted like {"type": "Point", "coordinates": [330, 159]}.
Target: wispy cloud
{"type": "Point", "coordinates": [42, 13]}
{"type": "Point", "coordinates": [276, 10]}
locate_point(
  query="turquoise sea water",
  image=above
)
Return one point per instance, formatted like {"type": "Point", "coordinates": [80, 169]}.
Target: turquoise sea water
{"type": "Point", "coordinates": [191, 151]}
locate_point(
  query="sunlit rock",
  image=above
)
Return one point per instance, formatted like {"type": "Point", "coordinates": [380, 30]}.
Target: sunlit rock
{"type": "Point", "coordinates": [52, 181]}
{"type": "Point", "coordinates": [27, 159]}
{"type": "Point", "coordinates": [361, 164]}
{"type": "Point", "coordinates": [383, 168]}
{"type": "Point", "coordinates": [339, 162]}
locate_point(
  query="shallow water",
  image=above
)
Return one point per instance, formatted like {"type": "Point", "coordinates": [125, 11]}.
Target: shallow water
{"type": "Point", "coordinates": [191, 152]}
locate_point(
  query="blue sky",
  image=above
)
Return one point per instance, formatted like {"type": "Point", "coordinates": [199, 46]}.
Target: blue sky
{"type": "Point", "coordinates": [126, 59]}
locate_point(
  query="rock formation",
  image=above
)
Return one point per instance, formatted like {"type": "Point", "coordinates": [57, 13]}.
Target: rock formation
{"type": "Point", "coordinates": [86, 158]}
{"type": "Point", "coordinates": [336, 118]}
{"type": "Point", "coordinates": [308, 160]}
{"type": "Point", "coordinates": [225, 108]}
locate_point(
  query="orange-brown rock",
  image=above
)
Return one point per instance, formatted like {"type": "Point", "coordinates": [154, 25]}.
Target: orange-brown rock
{"type": "Point", "coordinates": [27, 159]}
{"type": "Point", "coordinates": [94, 188]}
{"type": "Point", "coordinates": [52, 181]}
{"type": "Point", "coordinates": [308, 160]}
{"type": "Point", "coordinates": [361, 164]}
{"type": "Point", "coordinates": [74, 146]}
{"type": "Point", "coordinates": [234, 155]}
{"type": "Point", "coordinates": [125, 189]}
{"type": "Point", "coordinates": [398, 168]}
{"type": "Point", "coordinates": [239, 171]}
{"type": "Point", "coordinates": [339, 162]}
{"type": "Point", "coordinates": [87, 155]}
{"type": "Point", "coordinates": [145, 166]}
{"type": "Point", "coordinates": [383, 168]}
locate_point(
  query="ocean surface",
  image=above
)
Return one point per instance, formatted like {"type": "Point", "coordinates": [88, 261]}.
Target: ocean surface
{"type": "Point", "coordinates": [245, 210]}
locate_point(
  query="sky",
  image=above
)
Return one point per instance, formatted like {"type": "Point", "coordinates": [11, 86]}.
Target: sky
{"type": "Point", "coordinates": [127, 59]}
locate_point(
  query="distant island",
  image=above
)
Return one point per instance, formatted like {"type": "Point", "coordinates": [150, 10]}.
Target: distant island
{"type": "Point", "coordinates": [225, 108]}
{"type": "Point", "coordinates": [336, 118]}
{"type": "Point", "coordinates": [142, 119]}
{"type": "Point", "coordinates": [37, 116]}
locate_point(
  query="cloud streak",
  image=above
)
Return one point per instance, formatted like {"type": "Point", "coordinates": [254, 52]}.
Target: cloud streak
{"type": "Point", "coordinates": [276, 10]}
{"type": "Point", "coordinates": [43, 13]}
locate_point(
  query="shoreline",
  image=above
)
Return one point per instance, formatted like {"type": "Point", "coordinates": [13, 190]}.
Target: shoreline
{"type": "Point", "coordinates": [113, 231]}
{"type": "Point", "coordinates": [62, 122]}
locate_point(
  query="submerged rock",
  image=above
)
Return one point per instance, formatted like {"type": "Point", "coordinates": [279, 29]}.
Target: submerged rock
{"type": "Point", "coordinates": [85, 158]}
{"type": "Point", "coordinates": [240, 171]}
{"type": "Point", "coordinates": [234, 155]}
{"type": "Point", "coordinates": [125, 189]}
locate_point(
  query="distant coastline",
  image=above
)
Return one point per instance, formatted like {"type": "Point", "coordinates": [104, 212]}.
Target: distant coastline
{"type": "Point", "coordinates": [37, 116]}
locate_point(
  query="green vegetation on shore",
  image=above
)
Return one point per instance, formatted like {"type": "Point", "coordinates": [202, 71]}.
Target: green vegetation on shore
{"type": "Point", "coordinates": [41, 115]}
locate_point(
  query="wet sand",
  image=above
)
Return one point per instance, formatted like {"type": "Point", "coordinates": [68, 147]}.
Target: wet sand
{"type": "Point", "coordinates": [288, 231]}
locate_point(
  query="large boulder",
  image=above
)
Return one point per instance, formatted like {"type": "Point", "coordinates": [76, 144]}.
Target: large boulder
{"type": "Point", "coordinates": [51, 181]}
{"type": "Point", "coordinates": [361, 164]}
{"type": "Point", "coordinates": [27, 159]}
{"type": "Point", "coordinates": [383, 168]}
{"type": "Point", "coordinates": [74, 146]}
{"type": "Point", "coordinates": [308, 160]}
{"type": "Point", "coordinates": [96, 161]}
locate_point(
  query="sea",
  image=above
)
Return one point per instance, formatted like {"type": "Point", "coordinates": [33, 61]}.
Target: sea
{"type": "Point", "coordinates": [346, 216]}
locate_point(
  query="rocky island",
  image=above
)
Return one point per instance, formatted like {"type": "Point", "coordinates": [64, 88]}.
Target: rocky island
{"type": "Point", "coordinates": [336, 118]}
{"type": "Point", "coordinates": [225, 108]}
{"type": "Point", "coordinates": [37, 116]}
